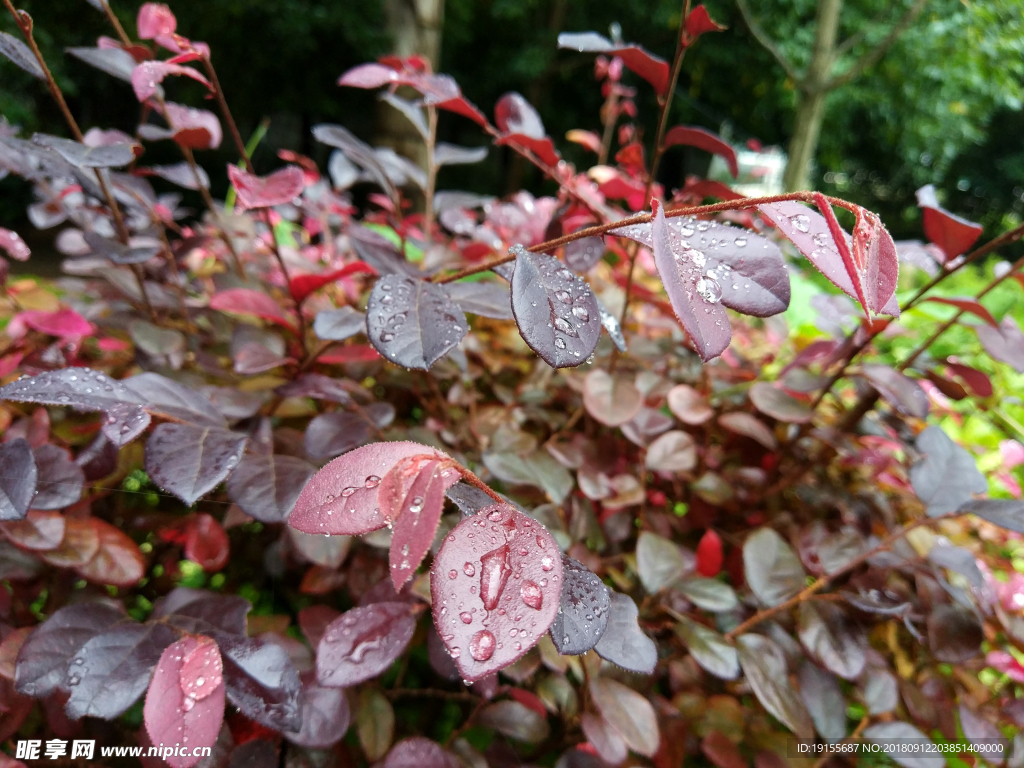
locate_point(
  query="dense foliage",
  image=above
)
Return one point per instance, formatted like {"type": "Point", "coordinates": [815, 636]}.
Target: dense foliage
{"type": "Point", "coordinates": [648, 518]}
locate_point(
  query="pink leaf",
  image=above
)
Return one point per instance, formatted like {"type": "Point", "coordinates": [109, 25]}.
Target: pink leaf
{"type": "Point", "coordinates": [370, 76]}
{"type": "Point", "coordinates": [155, 19]}
{"type": "Point", "coordinates": [14, 245]}
{"type": "Point", "coordinates": [246, 301]}
{"type": "Point", "coordinates": [64, 323]}
{"type": "Point", "coordinates": [650, 67]}
{"type": "Point", "coordinates": [147, 77]}
{"type": "Point", "coordinates": [543, 148]}
{"type": "Point", "coordinates": [697, 23]}
{"type": "Point", "coordinates": [280, 187]}
{"type": "Point", "coordinates": [486, 618]}
{"type": "Point", "coordinates": [302, 285]}
{"type": "Point", "coordinates": [173, 713]}
{"type": "Point", "coordinates": [363, 642]}
{"type": "Point", "coordinates": [953, 235]}
{"type": "Point", "coordinates": [343, 497]}
{"type": "Point", "coordinates": [193, 128]}
{"type": "Point", "coordinates": [693, 136]}
{"type": "Point", "coordinates": [206, 543]}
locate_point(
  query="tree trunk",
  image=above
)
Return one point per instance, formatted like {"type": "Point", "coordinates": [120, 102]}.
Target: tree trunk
{"type": "Point", "coordinates": [811, 103]}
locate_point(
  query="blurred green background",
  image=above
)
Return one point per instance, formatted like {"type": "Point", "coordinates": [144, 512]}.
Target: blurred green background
{"type": "Point", "coordinates": [943, 107]}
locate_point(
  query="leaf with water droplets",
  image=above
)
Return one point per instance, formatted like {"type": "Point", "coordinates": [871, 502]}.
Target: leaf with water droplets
{"type": "Point", "coordinates": [629, 713]}
{"type": "Point", "coordinates": [343, 497]}
{"type": "Point", "coordinates": [111, 670]}
{"type": "Point", "coordinates": [771, 567]}
{"type": "Point", "coordinates": [764, 665]}
{"type": "Point", "coordinates": [190, 461]}
{"type": "Point", "coordinates": [60, 480]}
{"type": "Point", "coordinates": [709, 649]}
{"type": "Point", "coordinates": [583, 610]}
{"type": "Point", "coordinates": [611, 324]}
{"type": "Point", "coordinates": [468, 498]}
{"type": "Point", "coordinates": [43, 659]}
{"type": "Point", "coordinates": [83, 156]}
{"type": "Point", "coordinates": [947, 477]}
{"type": "Point", "coordinates": [413, 322]}
{"type": "Point", "coordinates": [493, 587]}
{"type": "Point", "coordinates": [624, 642]}
{"type": "Point", "coordinates": [86, 390]}
{"type": "Point", "coordinates": [325, 715]}
{"type": "Point", "coordinates": [18, 475]}
{"type": "Point", "coordinates": [185, 700]}
{"type": "Point", "coordinates": [165, 397]}
{"type": "Point", "coordinates": [412, 494]}
{"type": "Point", "coordinates": [555, 309]}
{"type": "Point", "coordinates": [363, 642]}
{"type": "Point", "coordinates": [612, 400]}
{"type": "Point", "coordinates": [266, 486]}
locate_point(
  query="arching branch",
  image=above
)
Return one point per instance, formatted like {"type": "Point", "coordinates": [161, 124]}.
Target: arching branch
{"type": "Point", "coordinates": [766, 42]}
{"type": "Point", "coordinates": [872, 57]}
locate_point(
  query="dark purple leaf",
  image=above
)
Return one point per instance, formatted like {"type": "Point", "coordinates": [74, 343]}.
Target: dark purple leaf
{"type": "Point", "coordinates": [486, 619]}
{"type": "Point", "coordinates": [190, 461]}
{"type": "Point", "coordinates": [651, 68]}
{"type": "Point", "coordinates": [363, 642]}
{"type": "Point", "coordinates": [359, 153]}
{"type": "Point", "coordinates": [468, 498]}
{"type": "Point", "coordinates": [377, 251]}
{"type": "Point", "coordinates": [954, 634]}
{"type": "Point", "coordinates": [901, 392]}
{"type": "Point", "coordinates": [339, 324]}
{"type": "Point", "coordinates": [332, 434]}
{"type": "Point", "coordinates": [624, 643]}
{"type": "Point", "coordinates": [628, 712]}
{"type": "Point", "coordinates": [772, 569]}
{"type": "Point", "coordinates": [485, 299]}
{"type": "Point", "coordinates": [953, 235]}
{"type": "Point", "coordinates": [261, 681]}
{"type": "Point", "coordinates": [555, 310]}
{"type": "Point", "coordinates": [18, 475]}
{"type": "Point", "coordinates": [110, 671]}
{"type": "Point", "coordinates": [832, 639]}
{"type": "Point", "coordinates": [342, 498]}
{"type": "Point", "coordinates": [21, 55]}
{"type": "Point", "coordinates": [824, 700]}
{"type": "Point", "coordinates": [325, 715]}
{"type": "Point", "coordinates": [266, 486]}
{"type": "Point", "coordinates": [764, 666]}
{"type": "Point", "coordinates": [60, 480]}
{"type": "Point", "coordinates": [118, 252]}
{"type": "Point", "coordinates": [581, 255]}
{"type": "Point", "coordinates": [583, 609]}
{"type": "Point", "coordinates": [959, 560]}
{"type": "Point", "coordinates": [204, 612]}
{"type": "Point", "coordinates": [413, 322]}
{"type": "Point", "coordinates": [83, 156]}
{"type": "Point", "coordinates": [317, 386]}
{"type": "Point", "coordinates": [709, 649]}
{"type": "Point", "coordinates": [86, 390]}
{"type": "Point", "coordinates": [185, 700]}
{"type": "Point", "coordinates": [418, 752]}
{"type": "Point", "coordinates": [166, 397]}
{"type": "Point", "coordinates": [947, 477]}
{"type": "Point", "coordinates": [254, 358]}
{"type": "Point", "coordinates": [114, 61]}
{"type": "Point", "coordinates": [891, 737]}
{"type": "Point", "coordinates": [43, 659]}
{"type": "Point", "coordinates": [1006, 513]}
{"type": "Point", "coordinates": [773, 401]}
{"type": "Point", "coordinates": [1006, 344]}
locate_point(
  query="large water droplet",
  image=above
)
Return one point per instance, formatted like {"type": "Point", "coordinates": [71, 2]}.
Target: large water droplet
{"type": "Point", "coordinates": [417, 505]}
{"type": "Point", "coordinates": [468, 569]}
{"type": "Point", "coordinates": [467, 618]}
{"type": "Point", "coordinates": [372, 481]}
{"type": "Point", "coordinates": [581, 313]}
{"type": "Point", "coordinates": [531, 594]}
{"type": "Point", "coordinates": [740, 242]}
{"type": "Point", "coordinates": [709, 290]}
{"type": "Point", "coordinates": [565, 326]}
{"type": "Point", "coordinates": [563, 296]}
{"type": "Point", "coordinates": [481, 645]}
{"type": "Point", "coordinates": [801, 222]}
{"type": "Point", "coordinates": [494, 573]}
{"type": "Point", "coordinates": [559, 342]}
{"type": "Point", "coordinates": [546, 563]}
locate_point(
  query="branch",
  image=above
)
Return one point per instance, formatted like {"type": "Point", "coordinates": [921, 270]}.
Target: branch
{"type": "Point", "coordinates": [872, 57]}
{"type": "Point", "coordinates": [766, 42]}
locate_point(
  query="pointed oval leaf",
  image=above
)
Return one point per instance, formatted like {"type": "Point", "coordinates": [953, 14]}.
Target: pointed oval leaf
{"type": "Point", "coordinates": [282, 186]}
{"type": "Point", "coordinates": [881, 692]}
{"type": "Point", "coordinates": [832, 638]}
{"type": "Point", "coordinates": [824, 700]}
{"type": "Point", "coordinates": [261, 681]}
{"type": "Point", "coordinates": [83, 156]}
{"type": "Point", "coordinates": [629, 713]}
{"type": "Point", "coordinates": [487, 619]}
{"type": "Point", "coordinates": [774, 402]}
{"type": "Point", "coordinates": [555, 310]}
{"type": "Point", "coordinates": [583, 609]}
{"type": "Point", "coordinates": [450, 154]}
{"type": "Point", "coordinates": [604, 738]}
{"type": "Point", "coordinates": [764, 665]}
{"type": "Point", "coordinates": [1006, 513]}
{"type": "Point", "coordinates": [332, 434]}
{"type": "Point", "coordinates": [339, 324]}
{"type": "Point", "coordinates": [709, 649]}
{"type": "Point", "coordinates": [325, 715]}
{"type": "Point", "coordinates": [190, 461]}
{"type": "Point", "coordinates": [709, 594]}
{"type": "Point", "coordinates": [624, 643]}
{"type": "Point", "coordinates": [117, 559]}
{"type": "Point", "coordinates": [1005, 345]}
{"type": "Point", "coordinates": [772, 569]}
{"type": "Point", "coordinates": [116, 62]}
{"type": "Point", "coordinates": [947, 477]}
{"type": "Point", "coordinates": [79, 546]}
{"type": "Point", "coordinates": [342, 498]}
{"type": "Point", "coordinates": [748, 425]}
{"type": "Point", "coordinates": [901, 392]}
{"type": "Point", "coordinates": [688, 405]}
{"type": "Point", "coordinates": [702, 138]}
{"type": "Point", "coordinates": [21, 55]}
{"type": "Point", "coordinates": [266, 486]}
{"type": "Point", "coordinates": [516, 721]}
{"type": "Point", "coordinates": [166, 397]}
{"type": "Point", "coordinates": [514, 114]}
{"type": "Point", "coordinates": [362, 643]}
{"type": "Point", "coordinates": [413, 322]}
{"type": "Point", "coordinates": [246, 301]}
{"type": "Point", "coordinates": [18, 477]}
{"type": "Point", "coordinates": [581, 255]}
{"type": "Point", "coordinates": [60, 479]}
{"type": "Point", "coordinates": [674, 451]}
{"type": "Point", "coordinates": [659, 562]}
{"type": "Point", "coordinates": [953, 234]}
{"type": "Point", "coordinates": [612, 400]}
{"type": "Point", "coordinates": [966, 304]}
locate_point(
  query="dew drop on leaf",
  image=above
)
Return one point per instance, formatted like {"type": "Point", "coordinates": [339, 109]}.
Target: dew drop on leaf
{"type": "Point", "coordinates": [531, 594]}
{"type": "Point", "coordinates": [494, 573]}
{"type": "Point", "coordinates": [481, 645]}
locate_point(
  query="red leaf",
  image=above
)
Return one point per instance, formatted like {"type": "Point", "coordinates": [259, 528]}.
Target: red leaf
{"type": "Point", "coordinates": [697, 23]}
{"type": "Point", "coordinates": [370, 76]}
{"type": "Point", "coordinates": [976, 381]}
{"type": "Point", "coordinates": [343, 497]}
{"type": "Point", "coordinates": [529, 700]}
{"type": "Point", "coordinates": [282, 186]}
{"type": "Point", "coordinates": [155, 19]}
{"type": "Point", "coordinates": [709, 554]}
{"type": "Point", "coordinates": [487, 619]}
{"type": "Point", "coordinates": [543, 148]}
{"type": "Point", "coordinates": [966, 305]}
{"type": "Point", "coordinates": [302, 285]}
{"type": "Point", "coordinates": [246, 301]}
{"type": "Point", "coordinates": [147, 77]}
{"type": "Point", "coordinates": [693, 136]}
{"type": "Point", "coordinates": [708, 188]}
{"type": "Point", "coordinates": [650, 67]}
{"type": "Point", "coordinates": [206, 543]}
{"type": "Point", "coordinates": [193, 128]}
{"type": "Point", "coordinates": [117, 559]}
{"type": "Point", "coordinates": [185, 700]}
{"type": "Point", "coordinates": [461, 106]}
{"type": "Point", "coordinates": [353, 353]}
{"type": "Point", "coordinates": [64, 323]}
{"type": "Point", "coordinates": [954, 235]}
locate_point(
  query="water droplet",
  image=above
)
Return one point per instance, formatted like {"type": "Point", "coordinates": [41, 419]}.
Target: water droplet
{"type": "Point", "coordinates": [386, 336]}
{"type": "Point", "coordinates": [468, 569]}
{"type": "Point", "coordinates": [348, 492]}
{"type": "Point", "coordinates": [531, 594]}
{"type": "Point", "coordinates": [563, 296]}
{"type": "Point", "coordinates": [467, 618]}
{"type": "Point", "coordinates": [417, 505]}
{"type": "Point", "coordinates": [495, 516]}
{"type": "Point", "coordinates": [372, 481]}
{"type": "Point", "coordinates": [453, 574]}
{"type": "Point", "coordinates": [565, 326]}
{"type": "Point", "coordinates": [494, 573]}
{"type": "Point", "coordinates": [820, 239]}
{"type": "Point", "coordinates": [709, 290]}
{"type": "Point", "coordinates": [559, 343]}
{"type": "Point", "coordinates": [481, 645]}
{"type": "Point", "coordinates": [546, 563]}
{"type": "Point", "coordinates": [740, 242]}
{"type": "Point", "coordinates": [801, 222]}
{"type": "Point", "coordinates": [581, 313]}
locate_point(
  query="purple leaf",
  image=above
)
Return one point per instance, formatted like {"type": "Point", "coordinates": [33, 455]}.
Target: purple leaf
{"type": "Point", "coordinates": [709, 649]}
{"type": "Point", "coordinates": [771, 567]}
{"type": "Point", "coordinates": [166, 397]}
{"type": "Point", "coordinates": [332, 434]}
{"type": "Point", "coordinates": [611, 400]}
{"type": "Point", "coordinates": [832, 639]}
{"type": "Point", "coordinates": [325, 715]}
{"type": "Point", "coordinates": [200, 611]}
{"type": "Point", "coordinates": [114, 61]}
{"type": "Point", "coordinates": [418, 752]}
{"type": "Point", "coordinates": [628, 712]}
{"type": "Point", "coordinates": [1006, 513]}
{"type": "Point", "coordinates": [413, 323]}
{"type": "Point", "coordinates": [190, 461]}
{"type": "Point", "coordinates": [486, 618]}
{"type": "Point", "coordinates": [947, 476]}
{"type": "Point", "coordinates": [359, 153]}
{"type": "Point", "coordinates": [261, 681]}
{"type": "Point", "coordinates": [748, 425]}
{"type": "Point", "coordinates": [182, 175]}
{"type": "Point", "coordinates": [18, 476]}
{"type": "Point", "coordinates": [468, 498]}
{"type": "Point", "coordinates": [363, 642]}
{"type": "Point", "coordinates": [583, 609]}
{"type": "Point", "coordinates": [824, 700]}
{"type": "Point", "coordinates": [43, 659]}
{"type": "Point", "coordinates": [82, 156]}
{"type": "Point", "coordinates": [764, 666]}
{"type": "Point", "coordinates": [623, 642]}
{"type": "Point", "coordinates": [21, 55]}
{"type": "Point", "coordinates": [185, 700]}
{"type": "Point", "coordinates": [514, 114]}
{"type": "Point", "coordinates": [901, 392]}
{"type": "Point", "coordinates": [1005, 344]}
{"type": "Point", "coordinates": [555, 310]}
{"type": "Point", "coordinates": [342, 498]}
{"type": "Point", "coordinates": [317, 386]}
{"type": "Point", "coordinates": [954, 634]}
{"type": "Point", "coordinates": [581, 255]}
{"type": "Point", "coordinates": [339, 324]}
{"type": "Point", "coordinates": [266, 486]}
{"type": "Point", "coordinates": [60, 480]}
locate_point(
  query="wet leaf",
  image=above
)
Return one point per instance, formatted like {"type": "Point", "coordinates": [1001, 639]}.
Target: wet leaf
{"type": "Point", "coordinates": [555, 310]}
{"type": "Point", "coordinates": [778, 404]}
{"type": "Point", "coordinates": [516, 721]}
{"type": "Point", "coordinates": [747, 425]}
{"type": "Point", "coordinates": [688, 405]}
{"type": "Point", "coordinates": [200, 611]}
{"type": "Point", "coordinates": [1005, 345]}
{"type": "Point", "coordinates": [83, 156]}
{"type": "Point", "coordinates": [339, 324]}
{"type": "Point", "coordinates": [59, 480]}
{"type": "Point", "coordinates": [342, 498]}
{"type": "Point", "coordinates": [612, 400]}
{"type": "Point", "coordinates": [832, 638]}
{"type": "Point", "coordinates": [413, 323]}
{"type": "Point", "coordinates": [890, 735]}
{"type": "Point", "coordinates": [18, 476]}
{"type": "Point", "coordinates": [629, 713]}
{"type": "Point", "coordinates": [947, 477]}
{"type": "Point", "coordinates": [764, 666]}
{"type": "Point", "coordinates": [362, 643]}
{"type": "Point", "coordinates": [266, 486]}
{"type": "Point", "coordinates": [583, 609]}
{"type": "Point", "coordinates": [824, 700]}
{"type": "Point", "coordinates": [375, 723]}
{"type": "Point", "coordinates": [261, 681]}
{"type": "Point", "coordinates": [648, 66]}
{"type": "Point", "coordinates": [659, 562]}
{"type": "Point", "coordinates": [282, 186]}
{"type": "Point", "coordinates": [772, 569]}
{"type": "Point", "coordinates": [709, 649]}
{"type": "Point", "coordinates": [901, 392]}
{"type": "Point", "coordinates": [190, 461]}
{"type": "Point", "coordinates": [953, 234]}
{"type": "Point", "coordinates": [709, 594]}
{"type": "Point", "coordinates": [487, 619]}
{"type": "Point", "coordinates": [185, 700]}
{"type": "Point", "coordinates": [624, 643]}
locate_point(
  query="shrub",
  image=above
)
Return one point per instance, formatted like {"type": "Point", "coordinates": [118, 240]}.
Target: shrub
{"type": "Point", "coordinates": [661, 538]}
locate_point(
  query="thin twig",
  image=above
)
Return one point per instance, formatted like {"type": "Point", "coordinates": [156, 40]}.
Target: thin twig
{"type": "Point", "coordinates": [428, 203]}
